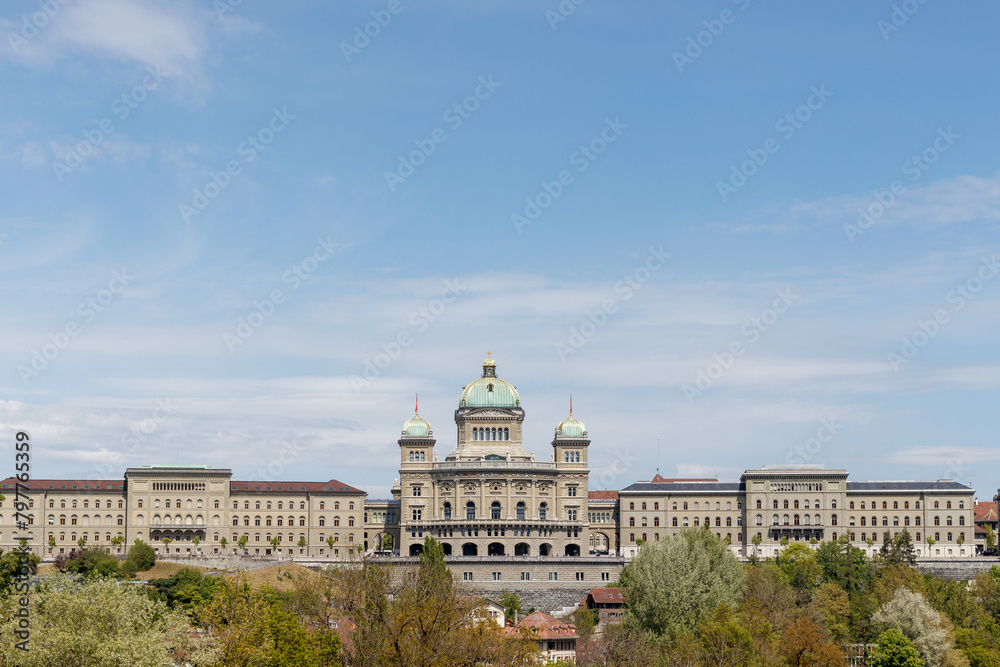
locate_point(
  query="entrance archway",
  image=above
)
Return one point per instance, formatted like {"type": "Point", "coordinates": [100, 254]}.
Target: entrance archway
{"type": "Point", "coordinates": [521, 549]}
{"type": "Point", "coordinates": [572, 549]}
{"type": "Point", "coordinates": [470, 549]}
{"type": "Point", "coordinates": [545, 550]}
{"type": "Point", "coordinates": [416, 549]}
{"type": "Point", "coordinates": [495, 549]}
{"type": "Point", "coordinates": [447, 548]}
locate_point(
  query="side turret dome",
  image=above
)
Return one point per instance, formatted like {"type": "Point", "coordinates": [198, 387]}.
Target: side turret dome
{"type": "Point", "coordinates": [417, 427]}
{"type": "Point", "coordinates": [571, 427]}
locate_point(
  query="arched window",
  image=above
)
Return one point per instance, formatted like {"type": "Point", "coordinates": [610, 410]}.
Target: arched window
{"type": "Point", "coordinates": [786, 505]}
{"type": "Point", "coordinates": [729, 521]}
{"type": "Point", "coordinates": [519, 509]}
{"type": "Point", "coordinates": [833, 519]}
{"type": "Point", "coordinates": [336, 521]}
{"type": "Point", "coordinates": [350, 521]}
{"type": "Point", "coordinates": [542, 510]}
{"type": "Point", "coordinates": [916, 520]}
{"type": "Point", "coordinates": [685, 505]}
{"type": "Point", "coordinates": [895, 520]}
{"type": "Point", "coordinates": [937, 521]}
{"type": "Point", "coordinates": [656, 506]}
{"type": "Point", "coordinates": [947, 505]}
{"type": "Point", "coordinates": [906, 521]}
{"type": "Point", "coordinates": [470, 510]}
{"type": "Point", "coordinates": [644, 524]}
{"type": "Point", "coordinates": [656, 521]}
{"type": "Point", "coordinates": [506, 434]}
{"type": "Point", "coordinates": [758, 504]}
{"type": "Point", "coordinates": [322, 521]}
{"type": "Point", "coordinates": [673, 522]}
{"type": "Point", "coordinates": [774, 520]}
{"type": "Point", "coordinates": [936, 505]}
{"type": "Point", "coordinates": [447, 510]}
{"type": "Point", "coordinates": [796, 504]}
{"type": "Point", "coordinates": [795, 520]}
{"type": "Point", "coordinates": [760, 520]}
{"type": "Point", "coordinates": [961, 504]}
{"type": "Point", "coordinates": [948, 521]}
{"type": "Point", "coordinates": [495, 510]}
{"type": "Point", "coordinates": [644, 504]}
{"type": "Point", "coordinates": [696, 521]}
{"type": "Point", "coordinates": [961, 520]}
{"type": "Point", "coordinates": [674, 506]}
{"type": "Point", "coordinates": [774, 504]}
{"type": "Point", "coordinates": [631, 521]}
{"type": "Point", "coordinates": [631, 506]}
{"type": "Point", "coordinates": [718, 521]}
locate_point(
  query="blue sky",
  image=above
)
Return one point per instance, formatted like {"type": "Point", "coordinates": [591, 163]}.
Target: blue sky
{"type": "Point", "coordinates": [652, 206]}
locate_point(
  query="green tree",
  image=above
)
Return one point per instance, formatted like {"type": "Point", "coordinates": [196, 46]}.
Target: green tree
{"type": "Point", "coordinates": [302, 542]}
{"type": "Point", "coordinates": [223, 542]}
{"type": "Point", "coordinates": [274, 543]}
{"type": "Point", "coordinates": [991, 538]}
{"type": "Point", "coordinates": [330, 543]}
{"type": "Point", "coordinates": [672, 585]}
{"type": "Point", "coordinates": [117, 541]}
{"type": "Point", "coordinates": [511, 604]}
{"type": "Point", "coordinates": [100, 623]}
{"type": "Point", "coordinates": [242, 542]}
{"type": "Point", "coordinates": [166, 543]}
{"type": "Point", "coordinates": [140, 558]}
{"type": "Point", "coordinates": [93, 563]}
{"type": "Point", "coordinates": [799, 564]}
{"type": "Point", "coordinates": [185, 588]}
{"type": "Point", "coordinates": [913, 616]}
{"type": "Point", "coordinates": [52, 543]}
{"type": "Point", "coordinates": [10, 565]}
{"type": "Point", "coordinates": [894, 650]}
{"type": "Point", "coordinates": [196, 541]}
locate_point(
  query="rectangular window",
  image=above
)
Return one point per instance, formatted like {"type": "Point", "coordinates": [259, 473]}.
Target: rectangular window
{"type": "Point", "coordinates": [416, 514]}
{"type": "Point", "coordinates": [466, 576]}
{"type": "Point", "coordinates": [496, 576]}
{"type": "Point", "coordinates": [525, 576]}
{"type": "Point", "coordinates": [571, 515]}
{"type": "Point", "coordinates": [416, 491]}
{"type": "Point", "coordinates": [579, 576]}
{"type": "Point", "coordinates": [553, 576]}
{"type": "Point", "coordinates": [571, 491]}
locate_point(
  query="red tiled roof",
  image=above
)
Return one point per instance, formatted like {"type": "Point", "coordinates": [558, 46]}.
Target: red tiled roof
{"type": "Point", "coordinates": [333, 486]}
{"type": "Point", "coordinates": [602, 495]}
{"type": "Point", "coordinates": [607, 595]}
{"type": "Point", "coordinates": [985, 511]}
{"type": "Point", "coordinates": [67, 484]}
{"type": "Point", "coordinates": [545, 626]}
{"type": "Point", "coordinates": [663, 480]}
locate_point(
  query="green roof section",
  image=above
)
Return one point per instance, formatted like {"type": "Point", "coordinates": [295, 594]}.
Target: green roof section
{"type": "Point", "coordinates": [490, 392]}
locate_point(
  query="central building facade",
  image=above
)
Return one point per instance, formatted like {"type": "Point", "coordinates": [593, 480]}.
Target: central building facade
{"type": "Point", "coordinates": [491, 496]}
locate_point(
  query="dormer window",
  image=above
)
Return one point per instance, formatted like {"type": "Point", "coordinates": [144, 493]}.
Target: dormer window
{"type": "Point", "coordinates": [489, 387]}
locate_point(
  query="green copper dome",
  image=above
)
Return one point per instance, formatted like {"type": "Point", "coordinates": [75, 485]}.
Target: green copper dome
{"type": "Point", "coordinates": [571, 428]}
{"type": "Point", "coordinates": [417, 428]}
{"type": "Point", "coordinates": [489, 391]}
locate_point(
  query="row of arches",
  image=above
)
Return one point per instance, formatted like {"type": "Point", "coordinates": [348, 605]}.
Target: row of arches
{"type": "Point", "coordinates": [490, 433]}
{"type": "Point", "coordinates": [496, 511]}
{"type": "Point", "coordinates": [469, 549]}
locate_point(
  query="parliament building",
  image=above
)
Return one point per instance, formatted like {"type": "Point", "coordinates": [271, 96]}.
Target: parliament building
{"type": "Point", "coordinates": [489, 498]}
